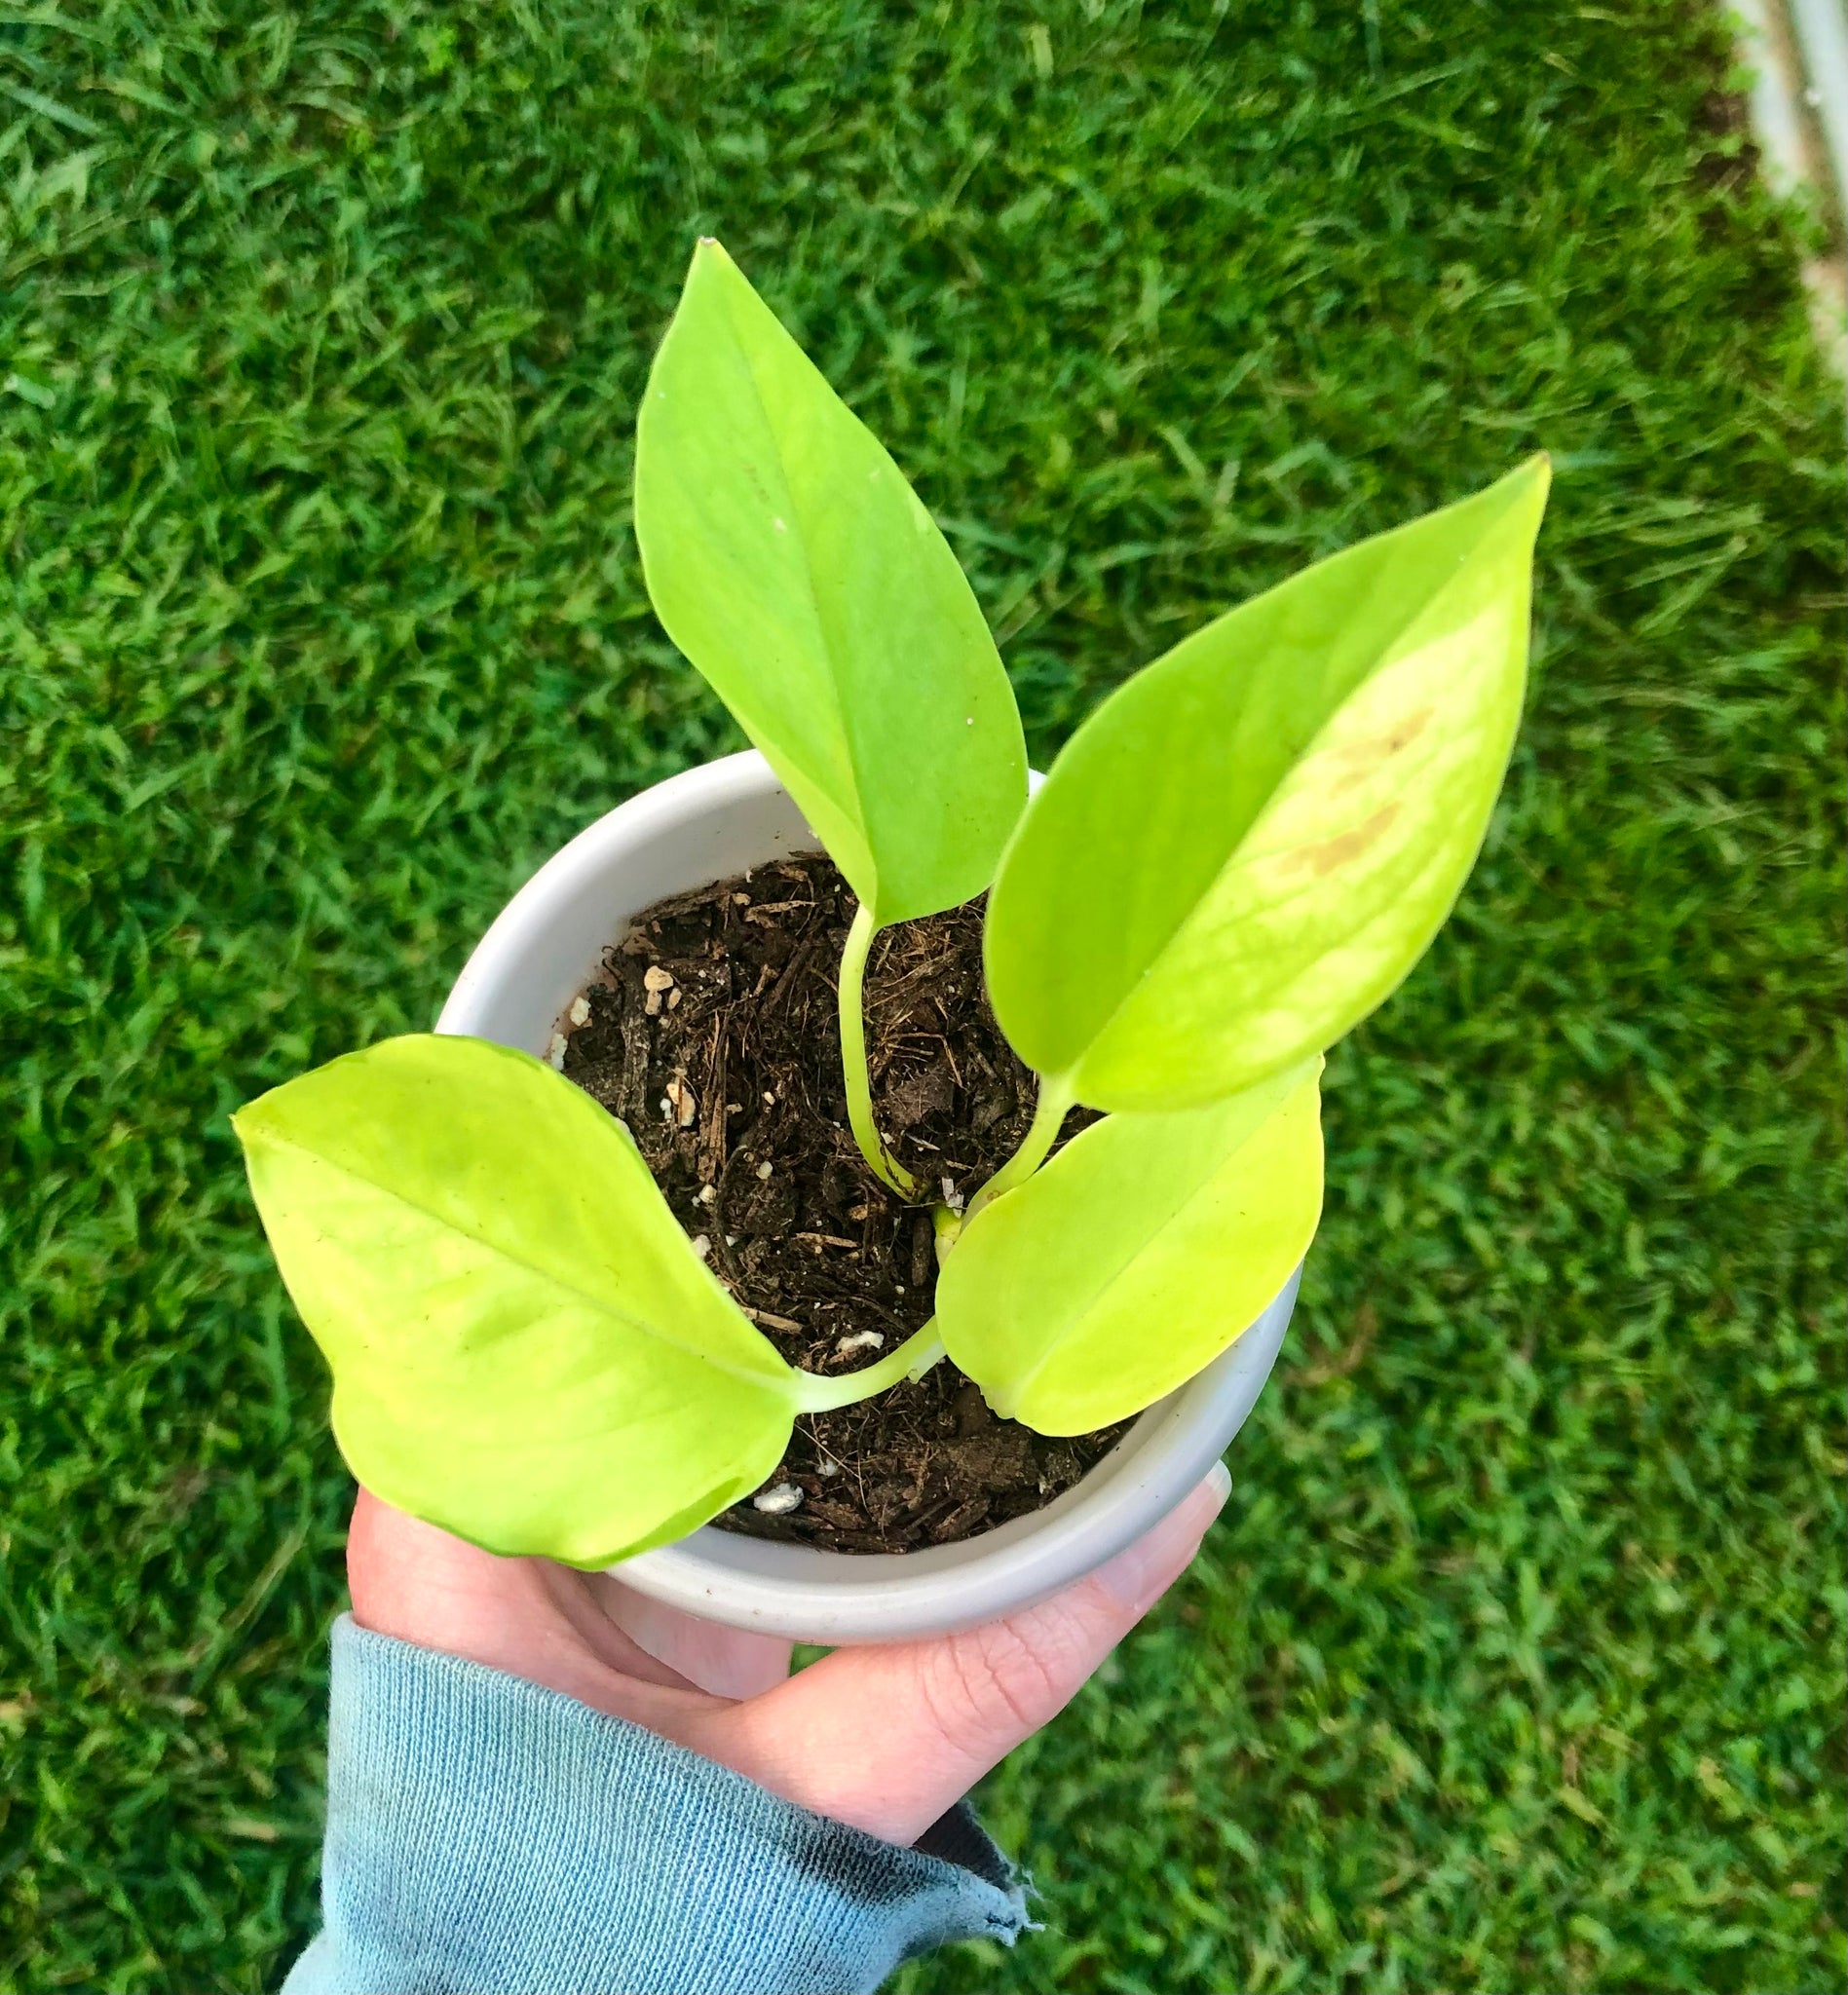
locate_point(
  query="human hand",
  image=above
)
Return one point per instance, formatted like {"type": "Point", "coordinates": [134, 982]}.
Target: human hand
{"type": "Point", "coordinates": [886, 1738]}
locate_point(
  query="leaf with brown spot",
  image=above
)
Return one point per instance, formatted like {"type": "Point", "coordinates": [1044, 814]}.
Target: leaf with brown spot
{"type": "Point", "coordinates": [1249, 846]}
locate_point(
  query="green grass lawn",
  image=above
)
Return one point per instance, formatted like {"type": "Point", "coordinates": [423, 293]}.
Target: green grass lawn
{"type": "Point", "coordinates": [1515, 1661]}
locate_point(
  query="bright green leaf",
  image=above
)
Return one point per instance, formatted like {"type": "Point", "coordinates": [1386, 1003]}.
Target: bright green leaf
{"type": "Point", "coordinates": [1135, 1256]}
{"type": "Point", "coordinates": [1250, 843]}
{"type": "Point", "coordinates": [791, 562]}
{"type": "Point", "coordinates": [525, 1349]}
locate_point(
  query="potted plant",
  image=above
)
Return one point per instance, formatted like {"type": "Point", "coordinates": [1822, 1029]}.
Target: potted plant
{"type": "Point", "coordinates": [538, 1311]}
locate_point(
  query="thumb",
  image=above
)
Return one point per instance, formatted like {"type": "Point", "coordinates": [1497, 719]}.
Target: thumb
{"type": "Point", "coordinates": [888, 1738]}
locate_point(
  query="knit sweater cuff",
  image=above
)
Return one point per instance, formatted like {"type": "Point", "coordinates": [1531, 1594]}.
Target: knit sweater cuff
{"type": "Point", "coordinates": [486, 1834]}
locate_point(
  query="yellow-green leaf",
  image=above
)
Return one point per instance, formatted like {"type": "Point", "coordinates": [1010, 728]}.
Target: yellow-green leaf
{"type": "Point", "coordinates": [525, 1349]}
{"type": "Point", "coordinates": [1250, 843]}
{"type": "Point", "coordinates": [791, 562]}
{"type": "Point", "coordinates": [1135, 1256]}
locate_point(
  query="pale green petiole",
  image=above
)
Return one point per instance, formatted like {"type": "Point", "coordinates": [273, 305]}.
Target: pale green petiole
{"type": "Point", "coordinates": [912, 1359]}
{"type": "Point", "coordinates": [1049, 1116]}
{"type": "Point", "coordinates": [859, 1098]}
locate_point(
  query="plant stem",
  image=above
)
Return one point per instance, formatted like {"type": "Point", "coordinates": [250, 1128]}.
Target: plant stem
{"type": "Point", "coordinates": [912, 1359]}
{"type": "Point", "coordinates": [1049, 1116]}
{"type": "Point", "coordinates": [859, 1098]}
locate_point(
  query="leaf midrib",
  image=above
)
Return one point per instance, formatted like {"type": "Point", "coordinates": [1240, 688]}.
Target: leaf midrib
{"type": "Point", "coordinates": [799, 519]}
{"type": "Point", "coordinates": [601, 1304]}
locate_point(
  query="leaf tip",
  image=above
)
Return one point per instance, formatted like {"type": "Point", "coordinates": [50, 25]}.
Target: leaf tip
{"type": "Point", "coordinates": [1533, 478]}
{"type": "Point", "coordinates": [1524, 494]}
{"type": "Point", "coordinates": [245, 1121]}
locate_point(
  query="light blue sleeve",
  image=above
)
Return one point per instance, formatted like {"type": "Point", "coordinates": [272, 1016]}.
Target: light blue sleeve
{"type": "Point", "coordinates": [484, 1834]}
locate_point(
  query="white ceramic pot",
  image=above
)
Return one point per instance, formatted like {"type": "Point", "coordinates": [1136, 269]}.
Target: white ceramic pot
{"type": "Point", "coordinates": [546, 946]}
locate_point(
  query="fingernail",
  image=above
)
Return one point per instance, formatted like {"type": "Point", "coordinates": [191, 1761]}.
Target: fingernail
{"type": "Point", "coordinates": [1138, 1577]}
{"type": "Point", "coordinates": [1125, 1578]}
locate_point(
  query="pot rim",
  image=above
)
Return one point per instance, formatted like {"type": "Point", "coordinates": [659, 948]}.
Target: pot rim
{"type": "Point", "coordinates": [515, 988]}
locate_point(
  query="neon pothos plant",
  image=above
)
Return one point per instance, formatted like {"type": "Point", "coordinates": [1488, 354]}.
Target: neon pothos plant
{"type": "Point", "coordinates": [1238, 856]}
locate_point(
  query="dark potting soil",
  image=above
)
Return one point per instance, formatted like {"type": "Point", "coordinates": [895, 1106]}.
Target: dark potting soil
{"type": "Point", "coordinates": [713, 1036]}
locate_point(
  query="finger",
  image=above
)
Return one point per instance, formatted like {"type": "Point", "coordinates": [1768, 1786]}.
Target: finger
{"type": "Point", "coordinates": [728, 1662]}
{"type": "Point", "coordinates": [887, 1738]}
{"type": "Point", "coordinates": [526, 1616]}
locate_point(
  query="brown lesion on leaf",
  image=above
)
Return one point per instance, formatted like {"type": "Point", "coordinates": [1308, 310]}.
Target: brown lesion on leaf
{"type": "Point", "coordinates": [1323, 859]}
{"type": "Point", "coordinates": [1360, 759]}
